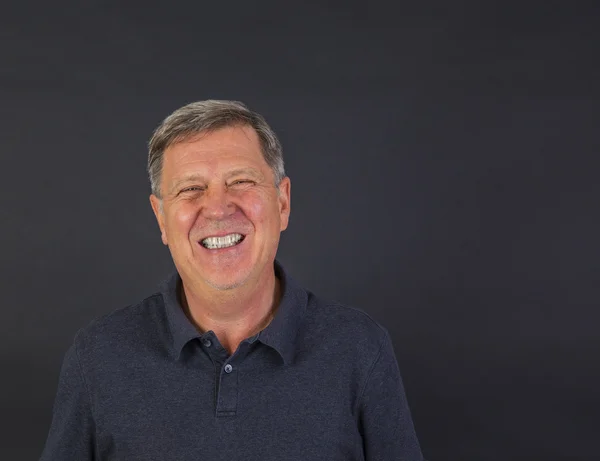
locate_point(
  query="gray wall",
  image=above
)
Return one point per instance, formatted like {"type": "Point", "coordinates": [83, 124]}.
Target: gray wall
{"type": "Point", "coordinates": [444, 178]}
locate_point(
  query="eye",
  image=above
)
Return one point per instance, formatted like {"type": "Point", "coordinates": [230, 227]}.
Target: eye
{"type": "Point", "coordinates": [242, 182]}
{"type": "Point", "coordinates": [192, 189]}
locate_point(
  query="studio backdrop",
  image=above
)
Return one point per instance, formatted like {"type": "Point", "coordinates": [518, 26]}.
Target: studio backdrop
{"type": "Point", "coordinates": [444, 168]}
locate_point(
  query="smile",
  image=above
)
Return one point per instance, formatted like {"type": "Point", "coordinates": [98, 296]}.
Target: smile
{"type": "Point", "coordinates": [214, 243]}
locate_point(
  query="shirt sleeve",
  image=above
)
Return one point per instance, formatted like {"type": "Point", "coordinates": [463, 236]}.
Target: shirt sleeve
{"type": "Point", "coordinates": [384, 416]}
{"type": "Point", "coordinates": [71, 434]}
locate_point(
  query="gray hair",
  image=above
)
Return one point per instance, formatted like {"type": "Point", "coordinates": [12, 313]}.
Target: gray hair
{"type": "Point", "coordinates": [206, 116]}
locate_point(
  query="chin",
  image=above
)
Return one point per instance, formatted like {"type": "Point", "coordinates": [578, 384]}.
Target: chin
{"type": "Point", "coordinates": [225, 281]}
{"type": "Point", "coordinates": [224, 285]}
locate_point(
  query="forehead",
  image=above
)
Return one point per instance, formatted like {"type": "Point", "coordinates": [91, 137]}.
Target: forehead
{"type": "Point", "coordinates": [229, 146]}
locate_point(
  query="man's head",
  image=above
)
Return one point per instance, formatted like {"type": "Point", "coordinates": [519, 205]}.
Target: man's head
{"type": "Point", "coordinates": [219, 192]}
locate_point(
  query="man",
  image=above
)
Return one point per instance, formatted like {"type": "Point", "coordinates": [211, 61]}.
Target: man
{"type": "Point", "coordinates": [231, 359]}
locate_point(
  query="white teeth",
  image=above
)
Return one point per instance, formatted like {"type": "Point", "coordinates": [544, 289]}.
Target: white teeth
{"type": "Point", "coordinates": [213, 243]}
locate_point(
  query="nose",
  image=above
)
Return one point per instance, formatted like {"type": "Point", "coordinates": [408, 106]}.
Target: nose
{"type": "Point", "coordinates": [216, 203]}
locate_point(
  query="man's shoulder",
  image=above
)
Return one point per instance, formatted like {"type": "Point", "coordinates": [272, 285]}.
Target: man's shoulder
{"type": "Point", "coordinates": [341, 322]}
{"type": "Point", "coordinates": [122, 325]}
{"type": "Point", "coordinates": [343, 315]}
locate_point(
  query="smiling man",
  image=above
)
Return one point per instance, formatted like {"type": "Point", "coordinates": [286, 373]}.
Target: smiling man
{"type": "Point", "coordinates": [231, 359]}
{"type": "Point", "coordinates": [221, 209]}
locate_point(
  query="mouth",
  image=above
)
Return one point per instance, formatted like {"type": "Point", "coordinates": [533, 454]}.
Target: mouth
{"type": "Point", "coordinates": [223, 241]}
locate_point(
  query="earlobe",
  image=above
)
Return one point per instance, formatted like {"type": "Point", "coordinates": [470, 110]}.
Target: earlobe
{"type": "Point", "coordinates": [284, 201]}
{"type": "Point", "coordinates": [156, 204]}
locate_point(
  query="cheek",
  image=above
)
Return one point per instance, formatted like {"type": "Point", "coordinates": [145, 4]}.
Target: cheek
{"type": "Point", "coordinates": [261, 210]}
{"type": "Point", "coordinates": [255, 210]}
{"type": "Point", "coordinates": [182, 219]}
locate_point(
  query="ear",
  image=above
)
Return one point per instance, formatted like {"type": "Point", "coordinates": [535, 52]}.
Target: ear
{"type": "Point", "coordinates": [156, 204]}
{"type": "Point", "coordinates": [285, 188]}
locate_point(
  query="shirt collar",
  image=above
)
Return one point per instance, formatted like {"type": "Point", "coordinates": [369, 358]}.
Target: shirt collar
{"type": "Point", "coordinates": [280, 334]}
{"type": "Point", "coordinates": [181, 329]}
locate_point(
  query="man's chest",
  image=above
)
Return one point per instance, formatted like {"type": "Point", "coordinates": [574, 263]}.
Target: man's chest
{"type": "Point", "coordinates": [244, 412]}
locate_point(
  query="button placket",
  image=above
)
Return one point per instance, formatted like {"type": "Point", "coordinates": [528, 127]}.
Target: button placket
{"type": "Point", "coordinates": [228, 391]}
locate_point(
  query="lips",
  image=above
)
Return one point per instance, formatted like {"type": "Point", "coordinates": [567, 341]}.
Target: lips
{"type": "Point", "coordinates": [220, 242]}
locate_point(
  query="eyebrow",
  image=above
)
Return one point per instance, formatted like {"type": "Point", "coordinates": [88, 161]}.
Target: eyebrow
{"type": "Point", "coordinates": [242, 171]}
{"type": "Point", "coordinates": [195, 177]}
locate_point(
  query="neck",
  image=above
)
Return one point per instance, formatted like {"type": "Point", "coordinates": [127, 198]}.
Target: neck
{"type": "Point", "coordinates": [233, 315]}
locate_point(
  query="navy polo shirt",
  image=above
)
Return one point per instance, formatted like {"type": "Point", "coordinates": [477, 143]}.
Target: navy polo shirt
{"type": "Point", "coordinates": [320, 382]}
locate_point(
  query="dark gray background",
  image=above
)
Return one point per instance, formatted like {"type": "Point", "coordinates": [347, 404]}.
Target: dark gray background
{"type": "Point", "coordinates": [444, 172]}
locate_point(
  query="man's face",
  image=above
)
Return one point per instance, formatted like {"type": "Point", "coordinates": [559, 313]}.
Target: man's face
{"type": "Point", "coordinates": [218, 184]}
